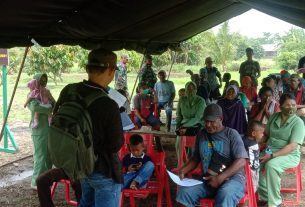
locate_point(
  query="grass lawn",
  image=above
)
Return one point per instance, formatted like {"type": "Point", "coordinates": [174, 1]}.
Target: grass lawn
{"type": "Point", "coordinates": [20, 114]}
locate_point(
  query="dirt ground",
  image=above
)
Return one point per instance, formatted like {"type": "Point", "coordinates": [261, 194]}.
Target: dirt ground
{"type": "Point", "coordinates": [15, 174]}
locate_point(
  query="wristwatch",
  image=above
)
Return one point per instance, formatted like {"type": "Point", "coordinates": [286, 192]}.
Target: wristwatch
{"type": "Point", "coordinates": [271, 155]}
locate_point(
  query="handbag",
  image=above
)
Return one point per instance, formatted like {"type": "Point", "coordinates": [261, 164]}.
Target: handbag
{"type": "Point", "coordinates": [218, 163]}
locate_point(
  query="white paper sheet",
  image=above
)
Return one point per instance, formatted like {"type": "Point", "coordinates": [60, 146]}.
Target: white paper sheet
{"type": "Point", "coordinates": [117, 97]}
{"type": "Point", "coordinates": [187, 182]}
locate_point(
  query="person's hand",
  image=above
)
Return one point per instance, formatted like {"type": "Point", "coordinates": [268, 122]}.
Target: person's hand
{"type": "Point", "coordinates": [138, 166]}
{"type": "Point", "coordinates": [267, 104]}
{"type": "Point", "coordinates": [132, 168]}
{"type": "Point", "coordinates": [181, 174]}
{"type": "Point", "coordinates": [143, 121]}
{"type": "Point", "coordinates": [265, 158]}
{"type": "Point", "coordinates": [214, 181]}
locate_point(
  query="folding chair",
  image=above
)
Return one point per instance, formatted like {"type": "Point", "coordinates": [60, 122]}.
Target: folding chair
{"type": "Point", "coordinates": [66, 184]}
{"type": "Point", "coordinates": [297, 189]}
{"type": "Point", "coordinates": [185, 143]}
{"type": "Point", "coordinates": [249, 195]}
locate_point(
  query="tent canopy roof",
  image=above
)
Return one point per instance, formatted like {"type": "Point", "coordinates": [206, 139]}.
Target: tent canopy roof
{"type": "Point", "coordinates": [131, 24]}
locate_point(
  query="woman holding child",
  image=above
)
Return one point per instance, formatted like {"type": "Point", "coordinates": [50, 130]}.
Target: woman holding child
{"type": "Point", "coordinates": [285, 133]}
{"type": "Point", "coordinates": [40, 126]}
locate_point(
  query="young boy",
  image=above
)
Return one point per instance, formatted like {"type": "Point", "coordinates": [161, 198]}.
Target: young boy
{"type": "Point", "coordinates": [138, 166]}
{"type": "Point", "coordinates": [255, 135]}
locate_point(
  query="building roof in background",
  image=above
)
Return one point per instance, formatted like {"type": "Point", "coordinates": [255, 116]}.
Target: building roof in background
{"type": "Point", "coordinates": [270, 47]}
{"type": "Point", "coordinates": [141, 25]}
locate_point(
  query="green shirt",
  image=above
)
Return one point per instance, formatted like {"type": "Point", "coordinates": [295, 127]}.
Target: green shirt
{"type": "Point", "coordinates": [43, 126]}
{"type": "Point", "coordinates": [293, 131]}
{"type": "Point", "coordinates": [190, 111]}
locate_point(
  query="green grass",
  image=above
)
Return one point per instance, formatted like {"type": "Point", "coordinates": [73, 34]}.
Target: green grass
{"type": "Point", "coordinates": [20, 114]}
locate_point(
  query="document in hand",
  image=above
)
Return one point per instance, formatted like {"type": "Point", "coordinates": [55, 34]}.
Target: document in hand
{"type": "Point", "coordinates": [117, 97]}
{"type": "Point", "coordinates": [185, 181]}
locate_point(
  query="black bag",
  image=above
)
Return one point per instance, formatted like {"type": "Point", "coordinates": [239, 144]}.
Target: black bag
{"type": "Point", "coordinates": [218, 163]}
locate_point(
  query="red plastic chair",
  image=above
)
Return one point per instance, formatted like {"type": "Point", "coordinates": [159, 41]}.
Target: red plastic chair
{"type": "Point", "coordinates": [185, 143]}
{"type": "Point", "coordinates": [156, 185]}
{"type": "Point", "coordinates": [297, 189]}
{"type": "Point", "coordinates": [249, 195]}
{"type": "Point", "coordinates": [66, 184]}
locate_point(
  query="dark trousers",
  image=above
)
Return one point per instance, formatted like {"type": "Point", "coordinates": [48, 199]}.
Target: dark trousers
{"type": "Point", "coordinates": [45, 181]}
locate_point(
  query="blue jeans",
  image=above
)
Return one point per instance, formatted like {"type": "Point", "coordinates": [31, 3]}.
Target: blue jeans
{"type": "Point", "coordinates": [168, 111]}
{"type": "Point", "coordinates": [141, 177]}
{"type": "Point", "coordinates": [150, 120]}
{"type": "Point", "coordinates": [99, 191]}
{"type": "Point", "coordinates": [228, 194]}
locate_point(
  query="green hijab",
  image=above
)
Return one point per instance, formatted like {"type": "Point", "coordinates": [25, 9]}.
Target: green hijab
{"type": "Point", "coordinates": [39, 76]}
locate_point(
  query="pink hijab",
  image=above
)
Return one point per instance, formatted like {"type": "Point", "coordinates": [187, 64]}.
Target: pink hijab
{"type": "Point", "coordinates": [38, 92]}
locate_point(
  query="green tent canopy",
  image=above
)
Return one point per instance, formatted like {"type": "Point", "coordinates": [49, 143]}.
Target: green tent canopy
{"type": "Point", "coordinates": [154, 25]}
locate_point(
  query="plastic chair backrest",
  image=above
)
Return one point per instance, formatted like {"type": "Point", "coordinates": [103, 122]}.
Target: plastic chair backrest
{"type": "Point", "coordinates": [185, 141]}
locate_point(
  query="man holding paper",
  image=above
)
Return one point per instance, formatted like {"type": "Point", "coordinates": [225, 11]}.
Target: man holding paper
{"type": "Point", "coordinates": [222, 153]}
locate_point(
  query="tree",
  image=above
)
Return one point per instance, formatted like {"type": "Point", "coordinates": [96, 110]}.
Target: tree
{"type": "Point", "coordinates": [222, 45]}
{"type": "Point", "coordinates": [292, 48]}
{"type": "Point", "coordinates": [53, 60]}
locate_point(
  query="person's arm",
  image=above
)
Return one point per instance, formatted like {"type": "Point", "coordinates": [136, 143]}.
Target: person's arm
{"type": "Point", "coordinates": [137, 108]}
{"type": "Point", "coordinates": [179, 114]}
{"type": "Point", "coordinates": [114, 131]}
{"type": "Point", "coordinates": [258, 70]}
{"type": "Point", "coordinates": [173, 93]}
{"type": "Point", "coordinates": [284, 151]}
{"type": "Point", "coordinates": [35, 106]}
{"type": "Point", "coordinates": [218, 74]}
{"type": "Point", "coordinates": [188, 167]}
{"type": "Point", "coordinates": [155, 96]}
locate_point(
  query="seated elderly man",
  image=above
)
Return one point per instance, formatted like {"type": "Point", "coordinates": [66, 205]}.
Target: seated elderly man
{"type": "Point", "coordinates": [222, 153]}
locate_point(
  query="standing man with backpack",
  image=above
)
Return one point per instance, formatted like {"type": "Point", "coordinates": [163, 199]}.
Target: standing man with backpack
{"type": "Point", "coordinates": [102, 186]}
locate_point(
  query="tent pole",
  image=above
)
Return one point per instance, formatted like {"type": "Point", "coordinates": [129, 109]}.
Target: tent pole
{"type": "Point", "coordinates": [174, 60]}
{"type": "Point", "coordinates": [14, 92]}
{"type": "Point", "coordinates": [135, 83]}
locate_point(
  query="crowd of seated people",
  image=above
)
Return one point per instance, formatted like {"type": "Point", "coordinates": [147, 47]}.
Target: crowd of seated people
{"type": "Point", "coordinates": [241, 122]}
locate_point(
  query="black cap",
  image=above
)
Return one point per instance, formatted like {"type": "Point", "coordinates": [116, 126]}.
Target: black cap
{"type": "Point", "coordinates": [212, 112]}
{"type": "Point", "coordinates": [101, 58]}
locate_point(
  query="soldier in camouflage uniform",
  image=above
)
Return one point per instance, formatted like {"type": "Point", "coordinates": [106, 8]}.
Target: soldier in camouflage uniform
{"type": "Point", "coordinates": [121, 74]}
{"type": "Point", "coordinates": [250, 68]}
{"type": "Point", "coordinates": [147, 75]}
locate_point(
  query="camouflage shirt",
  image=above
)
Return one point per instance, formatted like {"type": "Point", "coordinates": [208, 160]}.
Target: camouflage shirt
{"type": "Point", "coordinates": [121, 77]}
{"type": "Point", "coordinates": [148, 76]}
{"type": "Point", "coordinates": [250, 68]}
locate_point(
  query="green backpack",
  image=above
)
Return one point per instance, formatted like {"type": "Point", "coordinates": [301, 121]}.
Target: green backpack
{"type": "Point", "coordinates": [70, 141]}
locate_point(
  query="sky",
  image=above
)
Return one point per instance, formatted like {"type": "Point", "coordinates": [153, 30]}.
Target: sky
{"type": "Point", "coordinates": [253, 23]}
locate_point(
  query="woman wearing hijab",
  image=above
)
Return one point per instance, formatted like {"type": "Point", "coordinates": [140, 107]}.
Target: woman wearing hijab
{"type": "Point", "coordinates": [189, 113]}
{"type": "Point", "coordinates": [234, 114]}
{"type": "Point", "coordinates": [40, 134]}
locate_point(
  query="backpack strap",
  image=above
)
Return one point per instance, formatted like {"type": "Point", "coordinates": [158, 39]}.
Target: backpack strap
{"type": "Point", "coordinates": [89, 99]}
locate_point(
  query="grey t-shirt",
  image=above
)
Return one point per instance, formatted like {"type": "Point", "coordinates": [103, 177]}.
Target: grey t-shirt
{"type": "Point", "coordinates": [227, 143]}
